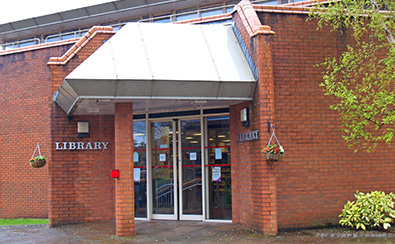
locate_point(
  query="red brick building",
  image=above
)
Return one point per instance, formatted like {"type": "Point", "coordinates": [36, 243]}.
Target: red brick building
{"type": "Point", "coordinates": [174, 137]}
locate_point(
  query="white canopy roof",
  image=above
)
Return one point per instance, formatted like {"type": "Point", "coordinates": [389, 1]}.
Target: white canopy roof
{"type": "Point", "coordinates": [149, 61]}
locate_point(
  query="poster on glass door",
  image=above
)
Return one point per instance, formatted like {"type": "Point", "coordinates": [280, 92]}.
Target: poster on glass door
{"type": "Point", "coordinates": [216, 174]}
{"type": "Point", "coordinates": [137, 174]}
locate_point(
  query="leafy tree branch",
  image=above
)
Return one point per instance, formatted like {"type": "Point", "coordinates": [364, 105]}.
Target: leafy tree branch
{"type": "Point", "coordinates": [362, 78]}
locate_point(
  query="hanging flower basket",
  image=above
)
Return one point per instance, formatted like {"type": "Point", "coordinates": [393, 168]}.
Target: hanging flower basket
{"type": "Point", "coordinates": [273, 152]}
{"type": "Point", "coordinates": [39, 161]}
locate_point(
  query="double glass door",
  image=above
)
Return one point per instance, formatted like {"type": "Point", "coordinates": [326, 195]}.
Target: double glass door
{"type": "Point", "coordinates": [176, 158]}
{"type": "Point", "coordinates": [182, 168]}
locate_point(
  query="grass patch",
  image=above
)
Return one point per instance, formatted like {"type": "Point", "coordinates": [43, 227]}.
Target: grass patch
{"type": "Point", "coordinates": [24, 221]}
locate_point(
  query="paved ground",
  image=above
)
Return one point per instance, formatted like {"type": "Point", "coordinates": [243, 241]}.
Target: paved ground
{"type": "Point", "coordinates": [167, 232]}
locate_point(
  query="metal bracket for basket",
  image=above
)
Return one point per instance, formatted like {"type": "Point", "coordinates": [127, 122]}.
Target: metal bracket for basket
{"type": "Point", "coordinates": [269, 127]}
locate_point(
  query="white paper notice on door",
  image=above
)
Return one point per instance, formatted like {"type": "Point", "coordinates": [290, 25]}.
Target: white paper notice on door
{"type": "Point", "coordinates": [218, 153]}
{"type": "Point", "coordinates": [136, 157]}
{"type": "Point", "coordinates": [137, 175]}
{"type": "Point", "coordinates": [162, 157]}
{"type": "Point", "coordinates": [193, 156]}
{"type": "Point", "coordinates": [216, 174]}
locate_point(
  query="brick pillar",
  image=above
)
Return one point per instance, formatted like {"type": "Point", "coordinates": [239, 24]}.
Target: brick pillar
{"type": "Point", "coordinates": [124, 187]}
{"type": "Point", "coordinates": [254, 180]}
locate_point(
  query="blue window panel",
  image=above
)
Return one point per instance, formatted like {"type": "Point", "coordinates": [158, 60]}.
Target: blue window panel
{"type": "Point", "coordinates": [69, 36]}
{"type": "Point", "coordinates": [186, 17]}
{"type": "Point", "coordinates": [211, 12]}
{"type": "Point", "coordinates": [269, 3]}
{"type": "Point", "coordinates": [26, 44]}
{"type": "Point", "coordinates": [229, 9]}
{"type": "Point", "coordinates": [53, 39]}
{"type": "Point", "coordinates": [164, 20]}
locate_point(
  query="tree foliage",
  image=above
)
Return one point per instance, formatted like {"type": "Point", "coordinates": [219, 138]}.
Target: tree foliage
{"type": "Point", "coordinates": [363, 76]}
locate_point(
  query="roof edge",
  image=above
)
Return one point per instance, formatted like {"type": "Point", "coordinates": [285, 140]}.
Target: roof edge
{"type": "Point", "coordinates": [251, 20]}
{"type": "Point", "coordinates": [82, 42]}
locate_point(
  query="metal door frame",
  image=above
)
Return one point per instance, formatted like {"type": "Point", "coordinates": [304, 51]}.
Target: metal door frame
{"type": "Point", "coordinates": [180, 190]}
{"type": "Point", "coordinates": [175, 179]}
{"type": "Point", "coordinates": [177, 164]}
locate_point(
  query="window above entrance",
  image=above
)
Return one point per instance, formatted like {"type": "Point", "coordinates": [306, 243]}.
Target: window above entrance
{"type": "Point", "coordinates": [151, 64]}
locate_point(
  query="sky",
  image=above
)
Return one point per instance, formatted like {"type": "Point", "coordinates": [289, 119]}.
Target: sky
{"type": "Point", "coordinates": [12, 10]}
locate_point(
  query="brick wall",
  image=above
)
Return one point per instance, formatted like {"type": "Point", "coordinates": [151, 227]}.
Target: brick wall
{"type": "Point", "coordinates": [319, 173]}
{"type": "Point", "coordinates": [24, 120]}
{"type": "Point", "coordinates": [81, 189]}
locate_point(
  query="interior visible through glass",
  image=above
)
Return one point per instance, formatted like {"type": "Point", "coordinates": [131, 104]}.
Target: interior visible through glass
{"type": "Point", "coordinates": [191, 153]}
{"type": "Point", "coordinates": [140, 168]}
{"type": "Point", "coordinates": [218, 168]}
{"type": "Point", "coordinates": [162, 168]}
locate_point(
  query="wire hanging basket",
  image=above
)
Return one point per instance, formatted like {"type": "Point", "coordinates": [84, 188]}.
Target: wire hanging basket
{"type": "Point", "coordinates": [274, 157]}
{"type": "Point", "coordinates": [273, 152]}
{"type": "Point", "coordinates": [39, 161]}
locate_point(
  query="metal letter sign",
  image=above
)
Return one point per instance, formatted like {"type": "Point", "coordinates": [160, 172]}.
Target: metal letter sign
{"type": "Point", "coordinates": [81, 145]}
{"type": "Point", "coordinates": [249, 136]}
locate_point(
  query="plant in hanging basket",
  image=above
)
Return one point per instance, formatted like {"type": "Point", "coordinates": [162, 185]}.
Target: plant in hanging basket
{"type": "Point", "coordinates": [273, 152]}
{"type": "Point", "coordinates": [38, 161]}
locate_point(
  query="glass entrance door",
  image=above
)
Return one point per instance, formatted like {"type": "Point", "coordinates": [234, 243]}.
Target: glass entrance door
{"type": "Point", "coordinates": [190, 169]}
{"type": "Point", "coordinates": [176, 160]}
{"type": "Point", "coordinates": [163, 173]}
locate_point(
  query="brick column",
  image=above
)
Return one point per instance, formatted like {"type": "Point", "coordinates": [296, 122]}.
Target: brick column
{"type": "Point", "coordinates": [124, 188]}
{"type": "Point", "coordinates": [254, 182]}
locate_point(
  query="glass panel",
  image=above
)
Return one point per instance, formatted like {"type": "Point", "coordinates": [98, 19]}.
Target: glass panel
{"type": "Point", "coordinates": [229, 9]}
{"type": "Point", "coordinates": [162, 168]}
{"type": "Point", "coordinates": [162, 20]}
{"type": "Point", "coordinates": [275, 2]}
{"type": "Point", "coordinates": [191, 167]}
{"type": "Point", "coordinates": [186, 16]}
{"type": "Point", "coordinates": [140, 168]}
{"type": "Point", "coordinates": [69, 36]}
{"type": "Point", "coordinates": [218, 168]}
{"type": "Point", "coordinates": [52, 39]}
{"type": "Point", "coordinates": [211, 12]}
{"type": "Point", "coordinates": [26, 43]}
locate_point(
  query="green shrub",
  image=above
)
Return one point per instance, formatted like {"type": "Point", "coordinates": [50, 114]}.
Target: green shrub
{"type": "Point", "coordinates": [371, 210]}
